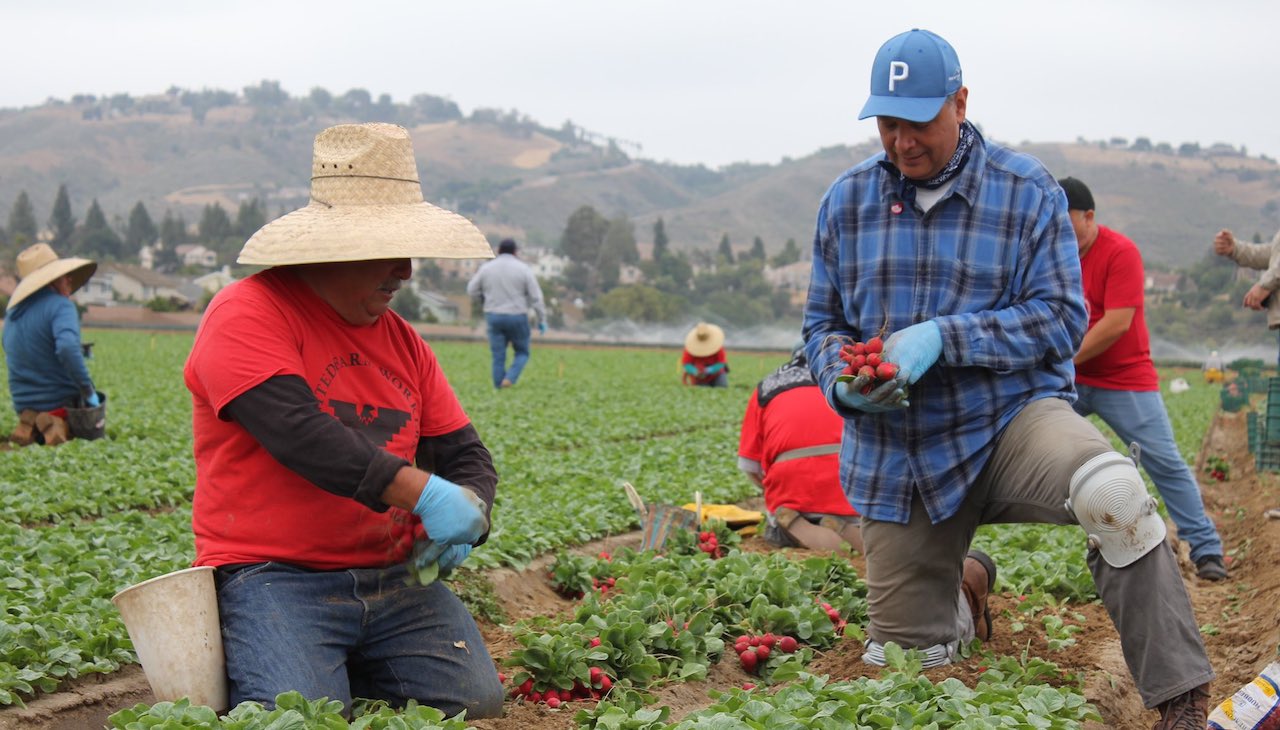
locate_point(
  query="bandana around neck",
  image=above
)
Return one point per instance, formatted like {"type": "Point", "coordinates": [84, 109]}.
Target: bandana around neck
{"type": "Point", "coordinates": [907, 186]}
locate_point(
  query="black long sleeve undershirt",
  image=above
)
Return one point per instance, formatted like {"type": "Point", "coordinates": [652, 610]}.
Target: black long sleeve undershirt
{"type": "Point", "coordinates": [281, 413]}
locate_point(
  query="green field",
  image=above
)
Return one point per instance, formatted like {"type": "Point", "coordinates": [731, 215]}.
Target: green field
{"type": "Point", "coordinates": [81, 521]}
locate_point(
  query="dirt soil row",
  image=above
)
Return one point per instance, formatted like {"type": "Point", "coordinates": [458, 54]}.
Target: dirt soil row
{"type": "Point", "coordinates": [1244, 612]}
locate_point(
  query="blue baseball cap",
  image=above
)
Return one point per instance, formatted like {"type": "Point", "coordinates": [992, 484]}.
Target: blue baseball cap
{"type": "Point", "coordinates": [913, 74]}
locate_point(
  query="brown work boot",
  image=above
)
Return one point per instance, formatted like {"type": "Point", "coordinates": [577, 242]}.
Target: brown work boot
{"type": "Point", "coordinates": [53, 429]}
{"type": "Point", "coordinates": [1189, 711]}
{"type": "Point", "coordinates": [24, 434]}
{"type": "Point", "coordinates": [979, 579]}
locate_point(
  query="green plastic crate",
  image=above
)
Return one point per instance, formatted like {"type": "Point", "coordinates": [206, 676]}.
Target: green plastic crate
{"type": "Point", "coordinates": [1268, 457]}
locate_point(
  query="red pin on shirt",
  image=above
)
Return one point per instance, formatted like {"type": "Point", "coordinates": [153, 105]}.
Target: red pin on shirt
{"type": "Point", "coordinates": [896, 208]}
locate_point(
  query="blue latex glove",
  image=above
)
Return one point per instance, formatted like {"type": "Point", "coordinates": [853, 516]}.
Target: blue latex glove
{"type": "Point", "coordinates": [451, 515]}
{"type": "Point", "coordinates": [714, 368]}
{"type": "Point", "coordinates": [691, 369]}
{"type": "Point", "coordinates": [887, 397]}
{"type": "Point", "coordinates": [542, 328]}
{"type": "Point", "coordinates": [452, 557]}
{"type": "Point", "coordinates": [93, 401]}
{"type": "Point", "coordinates": [447, 557]}
{"type": "Point", "coordinates": [914, 350]}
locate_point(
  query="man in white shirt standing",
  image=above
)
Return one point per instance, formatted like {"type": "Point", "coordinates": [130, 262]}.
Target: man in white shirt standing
{"type": "Point", "coordinates": [509, 290]}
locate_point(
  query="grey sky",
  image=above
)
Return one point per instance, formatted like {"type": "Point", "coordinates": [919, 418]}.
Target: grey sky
{"type": "Point", "coordinates": [710, 81]}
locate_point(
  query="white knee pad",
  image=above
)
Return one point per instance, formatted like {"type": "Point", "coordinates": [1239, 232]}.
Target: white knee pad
{"type": "Point", "coordinates": [938, 655]}
{"type": "Point", "coordinates": [1111, 503]}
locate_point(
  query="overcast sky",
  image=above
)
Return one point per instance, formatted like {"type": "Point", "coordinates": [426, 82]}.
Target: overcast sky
{"type": "Point", "coordinates": [691, 81]}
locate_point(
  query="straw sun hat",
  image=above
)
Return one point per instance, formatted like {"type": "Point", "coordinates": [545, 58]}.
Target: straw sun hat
{"type": "Point", "coordinates": [704, 340]}
{"type": "Point", "coordinates": [366, 203]}
{"type": "Point", "coordinates": [39, 266]}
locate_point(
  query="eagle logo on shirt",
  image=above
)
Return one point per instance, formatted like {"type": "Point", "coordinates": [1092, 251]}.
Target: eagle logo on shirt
{"type": "Point", "coordinates": [379, 424]}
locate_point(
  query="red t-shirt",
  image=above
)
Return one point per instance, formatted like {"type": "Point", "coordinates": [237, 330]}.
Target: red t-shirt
{"type": "Point", "coordinates": [702, 362]}
{"type": "Point", "coordinates": [249, 508]}
{"type": "Point", "coordinates": [795, 419]}
{"type": "Point", "coordinates": [1113, 279]}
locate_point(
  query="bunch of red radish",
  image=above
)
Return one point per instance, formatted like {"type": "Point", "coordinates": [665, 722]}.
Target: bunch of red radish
{"type": "Point", "coordinates": [867, 359]}
{"type": "Point", "coordinates": [596, 688]}
{"type": "Point", "coordinates": [709, 543]}
{"type": "Point", "coordinates": [834, 615]}
{"type": "Point", "coordinates": [752, 650]}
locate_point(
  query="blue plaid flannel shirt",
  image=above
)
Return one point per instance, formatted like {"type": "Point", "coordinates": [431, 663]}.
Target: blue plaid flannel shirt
{"type": "Point", "coordinates": [996, 265]}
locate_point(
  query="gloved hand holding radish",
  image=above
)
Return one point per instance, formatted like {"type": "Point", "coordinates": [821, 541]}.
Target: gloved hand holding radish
{"type": "Point", "coordinates": [875, 377]}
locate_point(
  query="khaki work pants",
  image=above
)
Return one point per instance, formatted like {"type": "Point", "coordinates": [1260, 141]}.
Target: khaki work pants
{"type": "Point", "coordinates": [914, 570]}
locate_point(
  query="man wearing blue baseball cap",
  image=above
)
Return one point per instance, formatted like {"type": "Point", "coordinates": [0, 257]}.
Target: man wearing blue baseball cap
{"type": "Point", "coordinates": [962, 254]}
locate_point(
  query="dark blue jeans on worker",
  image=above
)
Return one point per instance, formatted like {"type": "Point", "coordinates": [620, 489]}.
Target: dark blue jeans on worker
{"type": "Point", "coordinates": [343, 634]}
{"type": "Point", "coordinates": [1140, 416]}
{"type": "Point", "coordinates": [504, 330]}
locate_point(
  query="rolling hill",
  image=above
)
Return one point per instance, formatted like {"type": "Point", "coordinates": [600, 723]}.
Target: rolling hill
{"type": "Point", "coordinates": [515, 177]}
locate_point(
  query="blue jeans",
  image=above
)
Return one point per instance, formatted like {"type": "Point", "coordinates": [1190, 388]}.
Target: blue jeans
{"type": "Point", "coordinates": [1140, 416]}
{"type": "Point", "coordinates": [721, 381]}
{"type": "Point", "coordinates": [352, 633]}
{"type": "Point", "coordinates": [508, 329]}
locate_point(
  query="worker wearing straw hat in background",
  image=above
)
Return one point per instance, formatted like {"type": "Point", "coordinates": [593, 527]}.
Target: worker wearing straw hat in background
{"type": "Point", "coordinates": [336, 472]}
{"type": "Point", "coordinates": [47, 372]}
{"type": "Point", "coordinates": [703, 361]}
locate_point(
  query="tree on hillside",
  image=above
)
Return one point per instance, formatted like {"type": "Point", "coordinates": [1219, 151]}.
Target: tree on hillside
{"type": "Point", "coordinates": [200, 102]}
{"type": "Point", "coordinates": [740, 295]}
{"type": "Point", "coordinates": [434, 108]}
{"type": "Point", "coordinates": [789, 255]}
{"type": "Point", "coordinates": [142, 230]}
{"type": "Point", "coordinates": [249, 218]}
{"type": "Point", "coordinates": [384, 110]}
{"type": "Point", "coordinates": [618, 248]}
{"type": "Point", "coordinates": [757, 250]}
{"type": "Point", "coordinates": [61, 222]}
{"type": "Point", "coordinates": [215, 225]}
{"type": "Point", "coordinates": [638, 303]}
{"type": "Point", "coordinates": [660, 240]}
{"type": "Point", "coordinates": [583, 235]}
{"type": "Point", "coordinates": [96, 238]}
{"type": "Point", "coordinates": [265, 94]}
{"type": "Point", "coordinates": [355, 101]}
{"type": "Point", "coordinates": [726, 250]}
{"type": "Point", "coordinates": [320, 98]}
{"type": "Point", "coordinates": [620, 239]}
{"type": "Point", "coordinates": [173, 230]}
{"type": "Point", "coordinates": [675, 273]}
{"type": "Point", "coordinates": [22, 220]}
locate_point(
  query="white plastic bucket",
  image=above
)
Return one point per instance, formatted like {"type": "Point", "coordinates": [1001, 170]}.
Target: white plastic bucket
{"type": "Point", "coordinates": [173, 623]}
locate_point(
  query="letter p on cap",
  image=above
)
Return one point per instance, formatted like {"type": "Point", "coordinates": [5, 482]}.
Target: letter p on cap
{"type": "Point", "coordinates": [898, 71]}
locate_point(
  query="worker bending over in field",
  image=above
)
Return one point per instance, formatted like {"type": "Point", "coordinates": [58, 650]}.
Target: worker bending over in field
{"type": "Point", "coordinates": [42, 348]}
{"type": "Point", "coordinates": [334, 464]}
{"type": "Point", "coordinates": [789, 447]}
{"type": "Point", "coordinates": [703, 361]}
{"type": "Point", "coordinates": [1116, 379]}
{"type": "Point", "coordinates": [962, 253]}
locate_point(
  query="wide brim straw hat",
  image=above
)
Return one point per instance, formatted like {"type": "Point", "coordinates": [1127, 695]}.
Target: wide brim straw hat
{"type": "Point", "coordinates": [366, 204]}
{"type": "Point", "coordinates": [39, 266]}
{"type": "Point", "coordinates": [704, 340]}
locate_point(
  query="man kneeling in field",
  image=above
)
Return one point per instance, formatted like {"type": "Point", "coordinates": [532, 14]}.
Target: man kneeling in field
{"type": "Point", "coordinates": [963, 253]}
{"type": "Point", "coordinates": [313, 402]}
